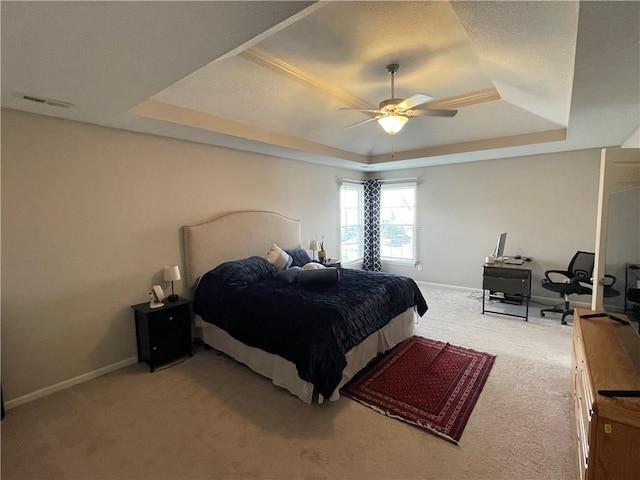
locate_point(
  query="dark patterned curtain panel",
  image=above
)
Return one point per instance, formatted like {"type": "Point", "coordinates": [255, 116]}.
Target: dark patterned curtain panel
{"type": "Point", "coordinates": [372, 226]}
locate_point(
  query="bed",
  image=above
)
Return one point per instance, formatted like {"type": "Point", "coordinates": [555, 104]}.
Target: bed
{"type": "Point", "coordinates": [310, 339]}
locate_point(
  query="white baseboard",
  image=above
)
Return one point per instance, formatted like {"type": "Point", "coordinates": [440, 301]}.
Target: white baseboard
{"type": "Point", "coordinates": [546, 301]}
{"type": "Point", "coordinates": [69, 383]}
{"type": "Point", "coordinates": [452, 287]}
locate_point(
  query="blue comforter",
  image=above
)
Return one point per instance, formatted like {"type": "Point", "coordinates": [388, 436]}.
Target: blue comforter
{"type": "Point", "coordinates": [311, 325]}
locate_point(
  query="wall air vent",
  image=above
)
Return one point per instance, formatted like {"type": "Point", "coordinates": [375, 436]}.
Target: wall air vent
{"type": "Point", "coordinates": [33, 99]}
{"type": "Point", "coordinates": [46, 101]}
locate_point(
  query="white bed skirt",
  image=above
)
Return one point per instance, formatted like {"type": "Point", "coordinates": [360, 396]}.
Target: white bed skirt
{"type": "Point", "coordinates": [284, 373]}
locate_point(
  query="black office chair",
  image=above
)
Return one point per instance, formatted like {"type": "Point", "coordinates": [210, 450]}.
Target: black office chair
{"type": "Point", "coordinates": [575, 280]}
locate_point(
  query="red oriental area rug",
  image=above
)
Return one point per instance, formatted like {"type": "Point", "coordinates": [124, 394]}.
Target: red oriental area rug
{"type": "Point", "coordinates": [427, 383]}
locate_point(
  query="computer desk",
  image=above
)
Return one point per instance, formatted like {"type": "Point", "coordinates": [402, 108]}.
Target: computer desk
{"type": "Point", "coordinates": [509, 279]}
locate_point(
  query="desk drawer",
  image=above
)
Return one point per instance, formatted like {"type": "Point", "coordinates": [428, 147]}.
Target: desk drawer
{"type": "Point", "coordinates": [520, 273]}
{"type": "Point", "coordinates": [519, 286]}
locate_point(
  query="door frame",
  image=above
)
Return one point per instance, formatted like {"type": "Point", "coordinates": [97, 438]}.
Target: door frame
{"type": "Point", "coordinates": [619, 171]}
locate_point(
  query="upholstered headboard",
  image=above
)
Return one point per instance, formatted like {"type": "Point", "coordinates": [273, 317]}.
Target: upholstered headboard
{"type": "Point", "coordinates": [233, 236]}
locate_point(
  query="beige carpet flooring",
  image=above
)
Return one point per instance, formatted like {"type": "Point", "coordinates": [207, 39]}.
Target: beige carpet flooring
{"type": "Point", "coordinates": [210, 417]}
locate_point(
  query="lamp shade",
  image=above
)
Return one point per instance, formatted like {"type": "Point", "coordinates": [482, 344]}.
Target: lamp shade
{"type": "Point", "coordinates": [171, 273]}
{"type": "Point", "coordinates": [392, 124]}
{"type": "Point", "coordinates": [313, 245]}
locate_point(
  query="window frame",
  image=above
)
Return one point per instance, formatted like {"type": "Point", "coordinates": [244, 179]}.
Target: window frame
{"type": "Point", "coordinates": [414, 225]}
{"type": "Point", "coordinates": [359, 188]}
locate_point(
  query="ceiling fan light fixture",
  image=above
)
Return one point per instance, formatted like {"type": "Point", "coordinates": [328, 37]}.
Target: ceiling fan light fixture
{"type": "Point", "coordinates": [394, 112]}
{"type": "Point", "coordinates": [392, 124]}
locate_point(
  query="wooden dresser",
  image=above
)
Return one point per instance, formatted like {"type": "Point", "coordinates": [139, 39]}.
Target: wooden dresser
{"type": "Point", "coordinates": [606, 356]}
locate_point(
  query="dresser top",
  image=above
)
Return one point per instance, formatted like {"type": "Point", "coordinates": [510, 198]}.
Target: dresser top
{"type": "Point", "coordinates": [612, 351]}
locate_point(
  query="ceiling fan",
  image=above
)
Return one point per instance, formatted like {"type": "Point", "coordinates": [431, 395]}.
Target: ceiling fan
{"type": "Point", "coordinates": [393, 113]}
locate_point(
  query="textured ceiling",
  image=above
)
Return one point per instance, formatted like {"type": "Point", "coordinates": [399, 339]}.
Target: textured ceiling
{"type": "Point", "coordinates": [272, 77]}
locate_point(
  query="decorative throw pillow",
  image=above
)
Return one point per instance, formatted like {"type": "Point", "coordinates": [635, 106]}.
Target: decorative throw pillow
{"type": "Point", "coordinates": [279, 258]}
{"type": "Point", "coordinates": [240, 273]}
{"type": "Point", "coordinates": [313, 266]}
{"type": "Point", "coordinates": [299, 255]}
{"type": "Point", "coordinates": [320, 275]}
{"type": "Point", "coordinates": [289, 275]}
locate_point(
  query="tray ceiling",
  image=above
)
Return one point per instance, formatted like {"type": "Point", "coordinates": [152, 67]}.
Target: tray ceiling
{"type": "Point", "coordinates": [272, 77]}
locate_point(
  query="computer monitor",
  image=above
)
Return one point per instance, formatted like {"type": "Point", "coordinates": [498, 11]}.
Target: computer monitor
{"type": "Point", "coordinates": [499, 251]}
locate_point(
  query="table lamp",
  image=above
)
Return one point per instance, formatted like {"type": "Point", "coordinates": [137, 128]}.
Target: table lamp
{"type": "Point", "coordinates": [313, 246]}
{"type": "Point", "coordinates": [171, 274]}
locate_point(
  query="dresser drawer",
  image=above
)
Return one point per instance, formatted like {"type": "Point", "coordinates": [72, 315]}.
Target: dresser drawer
{"type": "Point", "coordinates": [583, 419]}
{"type": "Point", "coordinates": [170, 344]}
{"type": "Point", "coordinates": [168, 319]}
{"type": "Point", "coordinates": [586, 393]}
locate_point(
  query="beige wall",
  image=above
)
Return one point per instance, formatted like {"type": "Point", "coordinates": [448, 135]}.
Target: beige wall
{"type": "Point", "coordinates": [91, 215]}
{"type": "Point", "coordinates": [546, 204]}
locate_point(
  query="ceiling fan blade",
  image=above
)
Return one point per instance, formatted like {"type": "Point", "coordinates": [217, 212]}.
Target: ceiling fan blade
{"type": "Point", "coordinates": [414, 100]}
{"type": "Point", "coordinates": [362, 122]}
{"type": "Point", "coordinates": [361, 109]}
{"type": "Point", "coordinates": [433, 113]}
{"type": "Point", "coordinates": [364, 110]}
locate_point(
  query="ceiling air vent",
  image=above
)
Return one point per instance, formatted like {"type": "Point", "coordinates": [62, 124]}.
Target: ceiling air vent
{"type": "Point", "coordinates": [46, 101]}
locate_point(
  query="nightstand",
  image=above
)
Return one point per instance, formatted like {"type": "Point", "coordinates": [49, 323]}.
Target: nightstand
{"type": "Point", "coordinates": [163, 334]}
{"type": "Point", "coordinates": [332, 262]}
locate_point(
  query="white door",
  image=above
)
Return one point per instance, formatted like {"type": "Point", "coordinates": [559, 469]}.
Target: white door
{"type": "Point", "coordinates": [619, 171]}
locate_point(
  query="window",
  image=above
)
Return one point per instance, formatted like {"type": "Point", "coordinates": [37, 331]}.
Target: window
{"type": "Point", "coordinates": [398, 223]}
{"type": "Point", "coordinates": [351, 222]}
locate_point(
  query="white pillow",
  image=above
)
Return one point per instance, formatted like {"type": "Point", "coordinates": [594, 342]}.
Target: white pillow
{"type": "Point", "coordinates": [278, 257]}
{"type": "Point", "coordinates": [313, 266]}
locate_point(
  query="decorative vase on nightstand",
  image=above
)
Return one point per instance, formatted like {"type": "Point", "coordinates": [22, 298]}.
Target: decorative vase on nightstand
{"type": "Point", "coordinates": [322, 253]}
